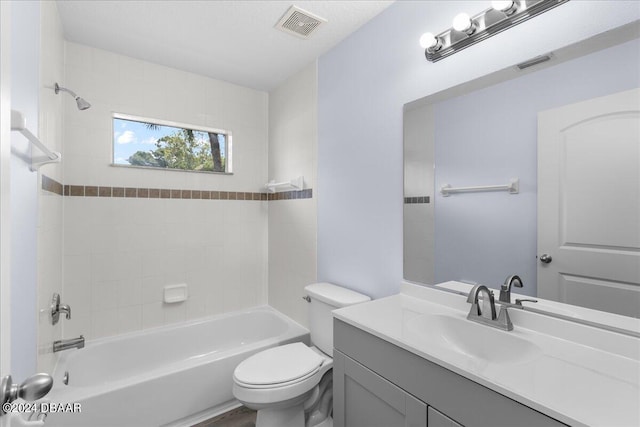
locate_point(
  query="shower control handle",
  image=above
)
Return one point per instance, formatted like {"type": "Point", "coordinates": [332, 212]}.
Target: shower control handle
{"type": "Point", "coordinates": [57, 308]}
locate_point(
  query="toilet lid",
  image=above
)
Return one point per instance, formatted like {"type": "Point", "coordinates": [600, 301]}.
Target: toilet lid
{"type": "Point", "coordinates": [278, 365]}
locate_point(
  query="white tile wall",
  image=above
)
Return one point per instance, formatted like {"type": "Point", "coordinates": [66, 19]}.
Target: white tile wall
{"type": "Point", "coordinates": [293, 223]}
{"type": "Point", "coordinates": [116, 268]}
{"type": "Point", "coordinates": [115, 83]}
{"type": "Point", "coordinates": [120, 252]}
{"type": "Point", "coordinates": [50, 206]}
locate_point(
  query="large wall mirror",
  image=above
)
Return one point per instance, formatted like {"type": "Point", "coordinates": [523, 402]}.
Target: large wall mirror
{"type": "Point", "coordinates": [568, 130]}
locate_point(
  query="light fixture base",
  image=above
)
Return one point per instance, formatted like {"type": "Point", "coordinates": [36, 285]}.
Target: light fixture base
{"type": "Point", "coordinates": [486, 24]}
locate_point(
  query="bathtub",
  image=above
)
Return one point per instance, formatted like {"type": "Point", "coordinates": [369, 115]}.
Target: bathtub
{"type": "Point", "coordinates": [173, 375]}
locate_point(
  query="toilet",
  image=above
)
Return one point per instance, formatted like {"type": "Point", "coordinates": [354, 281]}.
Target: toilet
{"type": "Point", "coordinates": [291, 385]}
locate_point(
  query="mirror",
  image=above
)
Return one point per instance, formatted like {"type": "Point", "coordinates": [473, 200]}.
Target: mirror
{"type": "Point", "coordinates": [494, 130]}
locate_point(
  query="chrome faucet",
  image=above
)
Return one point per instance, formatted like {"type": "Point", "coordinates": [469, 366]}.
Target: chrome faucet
{"type": "Point", "coordinates": [67, 344]}
{"type": "Point", "coordinates": [478, 314]}
{"type": "Point", "coordinates": [520, 301]}
{"type": "Point", "coordinates": [505, 289]}
{"type": "Point", "coordinates": [57, 308]}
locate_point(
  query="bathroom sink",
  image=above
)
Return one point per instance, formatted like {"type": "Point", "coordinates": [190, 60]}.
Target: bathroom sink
{"type": "Point", "coordinates": [472, 339]}
{"type": "Point", "coordinates": [579, 374]}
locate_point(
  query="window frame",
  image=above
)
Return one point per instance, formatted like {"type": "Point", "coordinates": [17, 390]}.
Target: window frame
{"type": "Point", "coordinates": [161, 122]}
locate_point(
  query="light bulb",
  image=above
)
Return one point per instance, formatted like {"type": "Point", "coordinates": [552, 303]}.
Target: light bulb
{"type": "Point", "coordinates": [502, 5]}
{"type": "Point", "coordinates": [462, 22]}
{"type": "Point", "coordinates": [428, 40]}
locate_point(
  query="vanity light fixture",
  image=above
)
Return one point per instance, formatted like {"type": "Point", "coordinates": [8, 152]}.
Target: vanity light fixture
{"type": "Point", "coordinates": [463, 23]}
{"type": "Point", "coordinates": [429, 41]}
{"type": "Point", "coordinates": [506, 6]}
{"type": "Point", "coordinates": [468, 30]}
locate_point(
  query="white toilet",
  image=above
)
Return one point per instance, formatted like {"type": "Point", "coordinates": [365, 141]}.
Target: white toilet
{"type": "Point", "coordinates": [291, 385]}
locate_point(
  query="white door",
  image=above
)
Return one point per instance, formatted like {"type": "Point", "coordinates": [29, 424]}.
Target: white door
{"type": "Point", "coordinates": [589, 203]}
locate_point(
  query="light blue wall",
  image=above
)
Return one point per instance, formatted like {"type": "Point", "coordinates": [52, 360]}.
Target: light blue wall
{"type": "Point", "coordinates": [363, 84]}
{"type": "Point", "coordinates": [25, 85]}
{"type": "Point", "coordinates": [489, 136]}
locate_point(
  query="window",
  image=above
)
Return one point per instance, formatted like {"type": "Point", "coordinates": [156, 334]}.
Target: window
{"type": "Point", "coordinates": [149, 143]}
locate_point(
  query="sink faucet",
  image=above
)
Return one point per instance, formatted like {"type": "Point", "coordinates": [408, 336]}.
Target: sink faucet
{"type": "Point", "coordinates": [67, 344]}
{"type": "Point", "coordinates": [478, 314]}
{"type": "Point", "coordinates": [505, 289]}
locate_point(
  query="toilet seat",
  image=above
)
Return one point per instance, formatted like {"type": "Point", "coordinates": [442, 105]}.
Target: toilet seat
{"type": "Point", "coordinates": [280, 384]}
{"type": "Point", "coordinates": [255, 396]}
{"type": "Point", "coordinates": [279, 366]}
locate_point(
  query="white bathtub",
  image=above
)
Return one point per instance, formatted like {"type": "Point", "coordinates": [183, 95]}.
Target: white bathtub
{"type": "Point", "coordinates": [164, 375]}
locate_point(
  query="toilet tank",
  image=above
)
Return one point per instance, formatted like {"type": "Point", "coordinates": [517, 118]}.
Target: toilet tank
{"type": "Point", "coordinates": [324, 298]}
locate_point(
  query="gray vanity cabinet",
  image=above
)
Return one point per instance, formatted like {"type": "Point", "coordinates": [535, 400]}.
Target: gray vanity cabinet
{"type": "Point", "coordinates": [364, 399]}
{"type": "Point", "coordinates": [376, 383]}
{"type": "Point", "coordinates": [438, 419]}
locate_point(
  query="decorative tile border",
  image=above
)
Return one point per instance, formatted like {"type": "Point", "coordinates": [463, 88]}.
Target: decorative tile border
{"type": "Point", "coordinates": [415, 200]}
{"type": "Point", "coordinates": [289, 195]}
{"type": "Point", "coordinates": [51, 185]}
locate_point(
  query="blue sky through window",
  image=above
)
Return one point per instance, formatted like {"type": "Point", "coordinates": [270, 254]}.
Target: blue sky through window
{"type": "Point", "coordinates": [131, 136]}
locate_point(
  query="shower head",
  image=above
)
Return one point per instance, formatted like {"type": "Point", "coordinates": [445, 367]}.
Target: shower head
{"type": "Point", "coordinates": [82, 104]}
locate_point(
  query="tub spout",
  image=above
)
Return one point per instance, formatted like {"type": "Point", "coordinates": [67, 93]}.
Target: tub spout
{"type": "Point", "coordinates": [67, 344]}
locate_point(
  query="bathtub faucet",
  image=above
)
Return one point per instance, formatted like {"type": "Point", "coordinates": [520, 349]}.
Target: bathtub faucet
{"type": "Point", "coordinates": [67, 344]}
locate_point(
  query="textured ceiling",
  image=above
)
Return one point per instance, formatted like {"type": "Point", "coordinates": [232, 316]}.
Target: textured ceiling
{"type": "Point", "coordinates": [233, 41]}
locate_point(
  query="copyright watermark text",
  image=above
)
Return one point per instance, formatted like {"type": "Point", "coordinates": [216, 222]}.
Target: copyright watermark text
{"type": "Point", "coordinates": [41, 407]}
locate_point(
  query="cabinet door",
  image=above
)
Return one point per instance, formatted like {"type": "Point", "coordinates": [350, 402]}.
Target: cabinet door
{"type": "Point", "coordinates": [362, 398]}
{"type": "Point", "coordinates": [438, 419]}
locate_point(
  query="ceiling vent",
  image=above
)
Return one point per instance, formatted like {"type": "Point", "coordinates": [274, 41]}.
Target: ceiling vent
{"type": "Point", "coordinates": [299, 22]}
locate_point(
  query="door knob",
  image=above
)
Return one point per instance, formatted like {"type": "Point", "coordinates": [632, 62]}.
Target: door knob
{"type": "Point", "coordinates": [33, 388]}
{"type": "Point", "coordinates": [545, 258]}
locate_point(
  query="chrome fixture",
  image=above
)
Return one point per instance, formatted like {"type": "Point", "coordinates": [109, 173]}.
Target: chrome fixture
{"type": "Point", "coordinates": [65, 378]}
{"type": "Point", "coordinates": [520, 301]}
{"type": "Point", "coordinates": [468, 30]}
{"type": "Point", "coordinates": [57, 308]}
{"type": "Point", "coordinates": [307, 298]}
{"type": "Point", "coordinates": [489, 318]}
{"type": "Point", "coordinates": [568, 318]}
{"type": "Point", "coordinates": [33, 388]}
{"type": "Point", "coordinates": [82, 104]}
{"type": "Point", "coordinates": [545, 258]}
{"type": "Point", "coordinates": [505, 289]}
{"type": "Point", "coordinates": [67, 344]}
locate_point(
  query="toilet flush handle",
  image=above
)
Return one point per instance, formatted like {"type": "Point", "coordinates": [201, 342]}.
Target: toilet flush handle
{"type": "Point", "coordinates": [306, 298]}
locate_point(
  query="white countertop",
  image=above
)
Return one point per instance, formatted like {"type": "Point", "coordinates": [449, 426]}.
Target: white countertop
{"type": "Point", "coordinates": [582, 376]}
